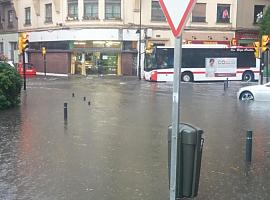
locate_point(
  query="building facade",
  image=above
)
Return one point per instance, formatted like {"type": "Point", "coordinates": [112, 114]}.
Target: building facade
{"type": "Point", "coordinates": [247, 22]}
{"type": "Point", "coordinates": [8, 30]}
{"type": "Point", "coordinates": [95, 36]}
{"type": "Point", "coordinates": [102, 36]}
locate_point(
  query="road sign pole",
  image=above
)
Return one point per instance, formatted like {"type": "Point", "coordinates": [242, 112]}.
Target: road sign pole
{"type": "Point", "coordinates": [175, 114]}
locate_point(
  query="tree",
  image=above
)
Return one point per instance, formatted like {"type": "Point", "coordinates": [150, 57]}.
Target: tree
{"type": "Point", "coordinates": [10, 86]}
{"type": "Point", "coordinates": [264, 23]}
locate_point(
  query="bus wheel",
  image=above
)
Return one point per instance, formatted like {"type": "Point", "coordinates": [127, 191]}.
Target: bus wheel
{"type": "Point", "coordinates": [187, 77]}
{"type": "Point", "coordinates": [248, 76]}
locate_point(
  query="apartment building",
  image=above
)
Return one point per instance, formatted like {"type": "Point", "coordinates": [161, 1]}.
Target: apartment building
{"type": "Point", "coordinates": [8, 30]}
{"type": "Point", "coordinates": [102, 36]}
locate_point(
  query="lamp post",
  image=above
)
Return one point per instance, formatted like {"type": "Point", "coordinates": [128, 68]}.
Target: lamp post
{"type": "Point", "coordinates": [140, 40]}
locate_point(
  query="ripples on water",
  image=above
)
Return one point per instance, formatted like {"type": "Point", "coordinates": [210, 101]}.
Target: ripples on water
{"type": "Point", "coordinates": [117, 147]}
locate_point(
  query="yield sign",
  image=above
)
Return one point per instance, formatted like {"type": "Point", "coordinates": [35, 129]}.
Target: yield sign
{"type": "Point", "coordinates": [177, 12]}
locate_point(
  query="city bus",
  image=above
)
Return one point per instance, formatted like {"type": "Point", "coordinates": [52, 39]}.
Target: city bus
{"type": "Point", "coordinates": [203, 63]}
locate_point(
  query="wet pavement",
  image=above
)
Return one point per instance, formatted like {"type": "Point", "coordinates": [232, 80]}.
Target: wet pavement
{"type": "Point", "coordinates": [116, 148]}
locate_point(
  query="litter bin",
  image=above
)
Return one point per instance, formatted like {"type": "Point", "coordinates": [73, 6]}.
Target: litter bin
{"type": "Point", "coordinates": [189, 155]}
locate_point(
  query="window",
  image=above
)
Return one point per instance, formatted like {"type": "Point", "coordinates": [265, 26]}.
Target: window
{"type": "Point", "coordinates": [72, 9]}
{"type": "Point", "coordinates": [136, 5]}
{"type": "Point", "coordinates": [90, 9]}
{"type": "Point", "coordinates": [199, 13]}
{"type": "Point", "coordinates": [258, 13]}
{"type": "Point", "coordinates": [13, 48]}
{"type": "Point", "coordinates": [223, 13]}
{"type": "Point", "coordinates": [27, 16]}
{"type": "Point", "coordinates": [10, 18]}
{"type": "Point", "coordinates": [157, 13]}
{"type": "Point", "coordinates": [48, 12]}
{"type": "Point", "coordinates": [112, 9]}
{"type": "Point", "coordinates": [1, 47]}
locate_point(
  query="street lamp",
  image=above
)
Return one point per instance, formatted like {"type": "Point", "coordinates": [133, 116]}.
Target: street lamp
{"type": "Point", "coordinates": [140, 39]}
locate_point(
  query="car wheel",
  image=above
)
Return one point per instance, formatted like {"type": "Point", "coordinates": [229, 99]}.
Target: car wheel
{"type": "Point", "coordinates": [246, 96]}
{"type": "Point", "coordinates": [187, 77]}
{"type": "Point", "coordinates": [248, 76]}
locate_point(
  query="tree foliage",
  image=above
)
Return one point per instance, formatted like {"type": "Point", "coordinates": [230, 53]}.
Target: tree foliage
{"type": "Point", "coordinates": [264, 23]}
{"type": "Point", "coordinates": [10, 86]}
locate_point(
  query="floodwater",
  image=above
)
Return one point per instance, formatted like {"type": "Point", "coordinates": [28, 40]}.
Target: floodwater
{"type": "Point", "coordinates": [116, 147]}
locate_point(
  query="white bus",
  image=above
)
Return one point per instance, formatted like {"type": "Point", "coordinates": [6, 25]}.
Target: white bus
{"type": "Point", "coordinates": [203, 63]}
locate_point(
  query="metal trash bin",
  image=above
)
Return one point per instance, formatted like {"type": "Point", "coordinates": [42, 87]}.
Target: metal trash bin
{"type": "Point", "coordinates": [189, 155]}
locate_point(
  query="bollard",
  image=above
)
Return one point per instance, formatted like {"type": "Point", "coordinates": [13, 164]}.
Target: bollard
{"type": "Point", "coordinates": [65, 111]}
{"type": "Point", "coordinates": [249, 146]}
{"type": "Point", "coordinates": [226, 84]}
{"type": "Point", "coordinates": [84, 98]}
{"type": "Point", "coordinates": [73, 95]}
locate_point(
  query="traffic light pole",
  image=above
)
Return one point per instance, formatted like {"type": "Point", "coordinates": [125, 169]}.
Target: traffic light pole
{"type": "Point", "coordinates": [267, 67]}
{"type": "Point", "coordinates": [45, 70]}
{"type": "Point", "coordinates": [24, 75]}
{"type": "Point", "coordinates": [262, 61]}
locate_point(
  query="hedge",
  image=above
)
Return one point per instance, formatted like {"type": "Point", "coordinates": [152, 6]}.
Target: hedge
{"type": "Point", "coordinates": [10, 86]}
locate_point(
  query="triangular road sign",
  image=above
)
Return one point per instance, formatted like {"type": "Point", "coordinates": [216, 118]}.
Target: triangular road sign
{"type": "Point", "coordinates": [177, 12]}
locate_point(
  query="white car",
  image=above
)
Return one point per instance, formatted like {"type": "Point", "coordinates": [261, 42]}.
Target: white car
{"type": "Point", "coordinates": [255, 92]}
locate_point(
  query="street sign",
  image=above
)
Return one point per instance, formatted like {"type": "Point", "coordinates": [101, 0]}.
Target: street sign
{"type": "Point", "coordinates": [177, 12]}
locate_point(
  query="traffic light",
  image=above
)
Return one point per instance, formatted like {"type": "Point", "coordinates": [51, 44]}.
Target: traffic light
{"type": "Point", "coordinates": [20, 45]}
{"type": "Point", "coordinates": [234, 42]}
{"type": "Point", "coordinates": [24, 42]}
{"type": "Point", "coordinates": [43, 50]}
{"type": "Point", "coordinates": [149, 47]}
{"type": "Point", "coordinates": [256, 46]}
{"type": "Point", "coordinates": [265, 42]}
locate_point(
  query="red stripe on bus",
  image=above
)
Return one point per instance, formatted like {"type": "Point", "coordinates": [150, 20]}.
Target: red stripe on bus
{"type": "Point", "coordinates": [165, 72]}
{"type": "Point", "coordinates": [204, 72]}
{"type": "Point", "coordinates": [240, 72]}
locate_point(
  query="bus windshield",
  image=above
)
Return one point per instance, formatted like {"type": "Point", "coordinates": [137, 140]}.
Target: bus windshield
{"type": "Point", "coordinates": [160, 58]}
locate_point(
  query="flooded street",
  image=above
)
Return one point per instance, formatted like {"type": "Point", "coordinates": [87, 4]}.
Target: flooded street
{"type": "Point", "coordinates": [116, 147]}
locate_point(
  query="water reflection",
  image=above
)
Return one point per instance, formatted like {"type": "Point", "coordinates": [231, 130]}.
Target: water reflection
{"type": "Point", "coordinates": [10, 122]}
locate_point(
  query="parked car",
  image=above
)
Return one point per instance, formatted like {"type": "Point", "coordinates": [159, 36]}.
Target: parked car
{"type": "Point", "coordinates": [29, 69]}
{"type": "Point", "coordinates": [255, 92]}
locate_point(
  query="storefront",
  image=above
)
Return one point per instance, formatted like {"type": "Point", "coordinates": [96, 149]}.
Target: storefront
{"type": "Point", "coordinates": [96, 57]}
{"type": "Point", "coordinates": [87, 51]}
{"type": "Point", "coordinates": [208, 37]}
{"type": "Point", "coordinates": [246, 38]}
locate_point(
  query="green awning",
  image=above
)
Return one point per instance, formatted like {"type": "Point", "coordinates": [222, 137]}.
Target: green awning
{"type": "Point", "coordinates": [246, 41]}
